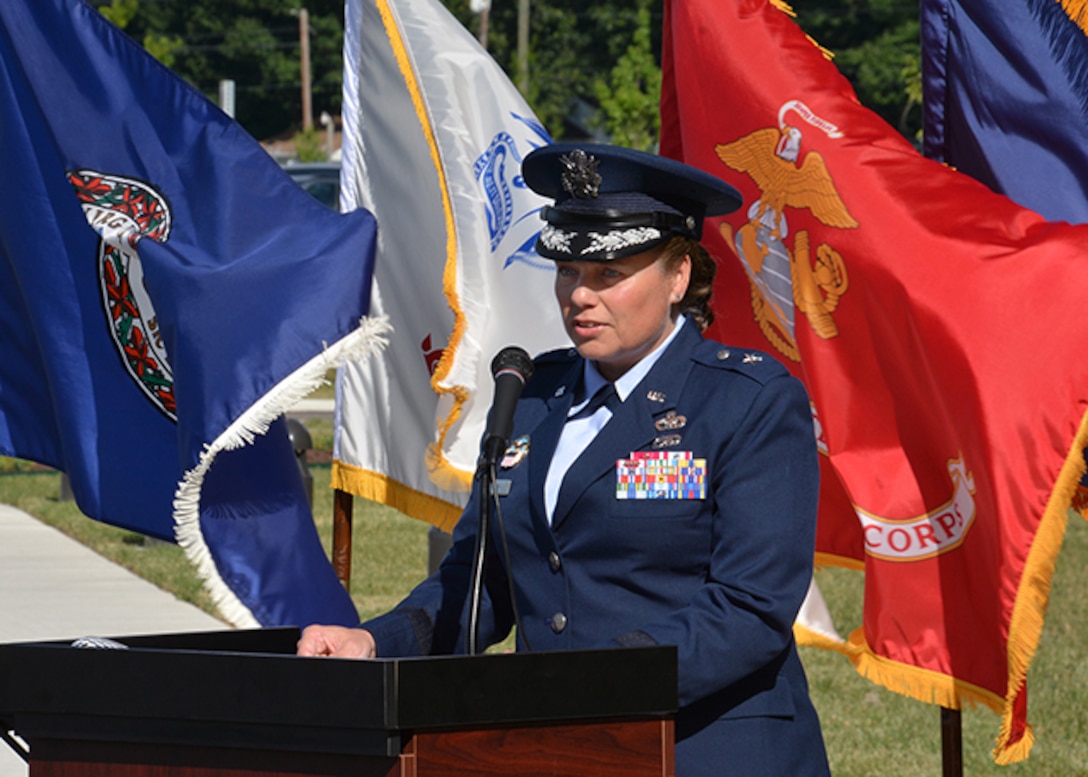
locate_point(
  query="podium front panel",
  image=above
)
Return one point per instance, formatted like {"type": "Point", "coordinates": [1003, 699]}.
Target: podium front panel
{"type": "Point", "coordinates": [246, 691]}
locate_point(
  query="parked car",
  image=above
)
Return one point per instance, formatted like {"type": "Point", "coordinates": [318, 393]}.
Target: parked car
{"type": "Point", "coordinates": [321, 179]}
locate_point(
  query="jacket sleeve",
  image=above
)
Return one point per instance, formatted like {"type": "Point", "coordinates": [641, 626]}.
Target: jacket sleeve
{"type": "Point", "coordinates": [432, 619]}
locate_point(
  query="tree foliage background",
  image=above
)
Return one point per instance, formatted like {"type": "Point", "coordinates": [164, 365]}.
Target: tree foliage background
{"type": "Point", "coordinates": [593, 65]}
{"type": "Point", "coordinates": [253, 42]}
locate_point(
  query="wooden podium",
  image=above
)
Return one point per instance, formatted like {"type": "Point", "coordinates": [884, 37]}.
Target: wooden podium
{"type": "Point", "coordinates": [240, 704]}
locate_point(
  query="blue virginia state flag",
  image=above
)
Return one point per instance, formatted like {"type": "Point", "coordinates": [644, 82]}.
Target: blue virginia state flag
{"type": "Point", "coordinates": [166, 291]}
{"type": "Point", "coordinates": [1006, 99]}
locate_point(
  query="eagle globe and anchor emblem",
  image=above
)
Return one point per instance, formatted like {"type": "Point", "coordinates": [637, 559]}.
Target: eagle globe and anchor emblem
{"type": "Point", "coordinates": [786, 281]}
{"type": "Point", "coordinates": [124, 211]}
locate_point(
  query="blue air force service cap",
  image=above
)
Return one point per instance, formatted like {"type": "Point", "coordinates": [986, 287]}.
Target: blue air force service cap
{"type": "Point", "coordinates": [612, 202]}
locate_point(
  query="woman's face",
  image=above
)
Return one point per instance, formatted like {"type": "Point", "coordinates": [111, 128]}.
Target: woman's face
{"type": "Point", "coordinates": [618, 311]}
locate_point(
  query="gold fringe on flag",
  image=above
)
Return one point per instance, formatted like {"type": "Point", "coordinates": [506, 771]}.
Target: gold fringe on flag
{"type": "Point", "coordinates": [1080, 501]}
{"type": "Point", "coordinates": [1029, 610]}
{"type": "Point", "coordinates": [833, 560]}
{"type": "Point", "coordinates": [384, 489]}
{"type": "Point", "coordinates": [1025, 625]}
{"type": "Point", "coordinates": [439, 467]}
{"type": "Point", "coordinates": [787, 9]}
{"type": "Point", "coordinates": [1077, 11]}
{"type": "Point", "coordinates": [810, 638]}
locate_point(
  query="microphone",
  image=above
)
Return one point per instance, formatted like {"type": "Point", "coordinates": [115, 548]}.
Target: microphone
{"type": "Point", "coordinates": [512, 368]}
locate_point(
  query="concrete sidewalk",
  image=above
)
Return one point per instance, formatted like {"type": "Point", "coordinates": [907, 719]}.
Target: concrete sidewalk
{"type": "Point", "coordinates": [52, 587]}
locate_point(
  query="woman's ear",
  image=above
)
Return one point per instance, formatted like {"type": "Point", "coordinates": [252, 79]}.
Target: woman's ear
{"type": "Point", "coordinates": [681, 279]}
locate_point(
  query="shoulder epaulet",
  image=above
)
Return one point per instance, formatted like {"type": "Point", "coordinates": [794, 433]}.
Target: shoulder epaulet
{"type": "Point", "coordinates": [550, 369]}
{"type": "Point", "coordinates": [746, 361]}
{"type": "Point", "coordinates": [558, 356]}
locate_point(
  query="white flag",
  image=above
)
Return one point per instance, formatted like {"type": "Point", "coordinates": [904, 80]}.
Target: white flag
{"type": "Point", "coordinates": [434, 135]}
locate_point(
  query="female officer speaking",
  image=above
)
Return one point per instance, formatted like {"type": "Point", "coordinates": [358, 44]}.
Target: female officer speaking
{"type": "Point", "coordinates": [604, 553]}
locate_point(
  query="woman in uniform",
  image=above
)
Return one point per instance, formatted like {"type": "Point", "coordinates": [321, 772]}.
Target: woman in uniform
{"type": "Point", "coordinates": [602, 551]}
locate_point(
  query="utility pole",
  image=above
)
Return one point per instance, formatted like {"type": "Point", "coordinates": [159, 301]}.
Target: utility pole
{"type": "Point", "coordinates": [226, 96]}
{"type": "Point", "coordinates": [304, 56]}
{"type": "Point", "coordinates": [523, 47]}
{"type": "Point", "coordinates": [483, 9]}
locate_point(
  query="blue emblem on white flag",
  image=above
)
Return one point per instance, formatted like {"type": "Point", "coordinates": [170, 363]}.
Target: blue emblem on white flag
{"type": "Point", "coordinates": [457, 273]}
{"type": "Point", "coordinates": [511, 207]}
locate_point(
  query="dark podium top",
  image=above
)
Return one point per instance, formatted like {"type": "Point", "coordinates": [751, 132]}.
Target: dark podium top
{"type": "Point", "coordinates": [247, 689]}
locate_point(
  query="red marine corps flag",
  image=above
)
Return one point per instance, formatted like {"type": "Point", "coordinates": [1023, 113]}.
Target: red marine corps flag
{"type": "Point", "coordinates": [934, 325]}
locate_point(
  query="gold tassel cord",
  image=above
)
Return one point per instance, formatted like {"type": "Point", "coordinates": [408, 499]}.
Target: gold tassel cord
{"type": "Point", "coordinates": [1077, 11]}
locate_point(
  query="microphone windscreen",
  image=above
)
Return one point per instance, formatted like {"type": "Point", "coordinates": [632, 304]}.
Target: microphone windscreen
{"type": "Point", "coordinates": [512, 359]}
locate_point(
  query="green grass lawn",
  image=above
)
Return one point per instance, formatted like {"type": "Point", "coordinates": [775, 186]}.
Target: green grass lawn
{"type": "Point", "coordinates": [388, 558]}
{"type": "Point", "coordinates": [869, 731]}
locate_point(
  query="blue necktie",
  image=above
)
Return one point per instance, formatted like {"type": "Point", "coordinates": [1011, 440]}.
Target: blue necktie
{"type": "Point", "coordinates": [605, 396]}
{"type": "Point", "coordinates": [573, 443]}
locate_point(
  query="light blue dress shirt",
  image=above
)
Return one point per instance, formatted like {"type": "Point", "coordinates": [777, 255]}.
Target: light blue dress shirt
{"type": "Point", "coordinates": [578, 433]}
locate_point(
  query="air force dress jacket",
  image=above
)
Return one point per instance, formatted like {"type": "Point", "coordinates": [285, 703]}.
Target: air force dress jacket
{"type": "Point", "coordinates": [721, 577]}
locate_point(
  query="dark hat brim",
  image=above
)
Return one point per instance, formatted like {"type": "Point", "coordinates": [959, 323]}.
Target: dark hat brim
{"type": "Point", "coordinates": [612, 202]}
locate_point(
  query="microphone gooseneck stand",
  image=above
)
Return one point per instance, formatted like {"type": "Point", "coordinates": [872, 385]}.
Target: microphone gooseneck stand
{"type": "Point", "coordinates": [511, 369]}
{"type": "Point", "coordinates": [486, 474]}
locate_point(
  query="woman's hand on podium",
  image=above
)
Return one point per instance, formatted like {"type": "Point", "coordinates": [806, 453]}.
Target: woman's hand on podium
{"type": "Point", "coordinates": [336, 642]}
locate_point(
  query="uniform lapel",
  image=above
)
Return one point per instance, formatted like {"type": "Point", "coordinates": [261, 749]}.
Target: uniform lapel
{"type": "Point", "coordinates": [632, 426]}
{"type": "Point", "coordinates": [545, 436]}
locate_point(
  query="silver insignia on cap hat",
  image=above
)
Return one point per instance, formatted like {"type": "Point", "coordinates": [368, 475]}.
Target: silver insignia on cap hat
{"type": "Point", "coordinates": [580, 177]}
{"type": "Point", "coordinates": [620, 239]}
